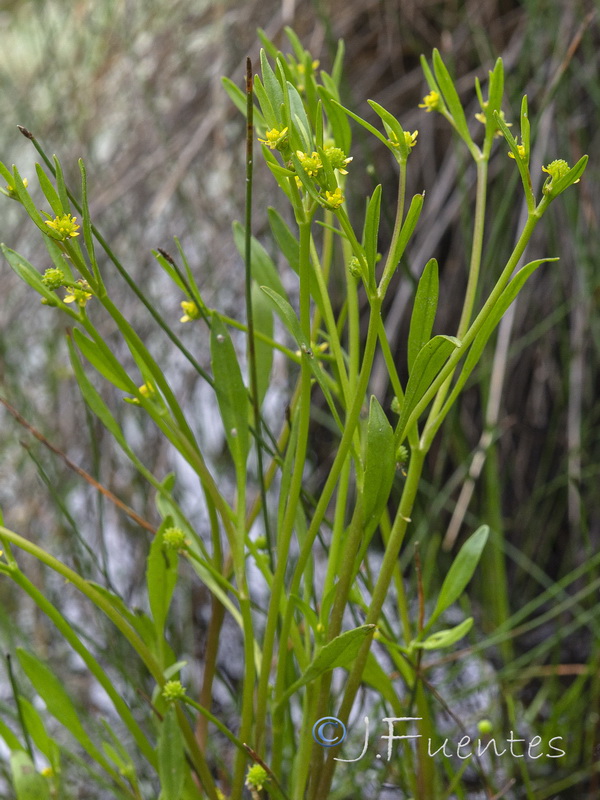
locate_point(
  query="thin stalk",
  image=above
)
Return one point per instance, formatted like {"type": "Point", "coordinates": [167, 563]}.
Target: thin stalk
{"type": "Point", "coordinates": [380, 592]}
{"type": "Point", "coordinates": [287, 527]}
{"type": "Point", "coordinates": [249, 309]}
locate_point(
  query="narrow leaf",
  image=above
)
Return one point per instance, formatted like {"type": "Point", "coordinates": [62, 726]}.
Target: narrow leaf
{"type": "Point", "coordinates": [171, 758]}
{"type": "Point", "coordinates": [380, 466]}
{"type": "Point", "coordinates": [461, 571]}
{"type": "Point", "coordinates": [447, 637]}
{"type": "Point", "coordinates": [424, 309]}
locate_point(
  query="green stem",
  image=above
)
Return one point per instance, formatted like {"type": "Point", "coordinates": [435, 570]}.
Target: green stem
{"type": "Point", "coordinates": [287, 527]}
{"type": "Point", "coordinates": [380, 592]}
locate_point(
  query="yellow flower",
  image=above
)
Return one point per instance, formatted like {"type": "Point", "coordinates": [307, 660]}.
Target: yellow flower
{"type": "Point", "coordinates": [65, 226]}
{"type": "Point", "coordinates": [310, 164]}
{"type": "Point", "coordinates": [430, 102]}
{"type": "Point", "coordinates": [79, 293]}
{"type": "Point", "coordinates": [520, 150]}
{"type": "Point", "coordinates": [190, 309]}
{"type": "Point", "coordinates": [275, 138]}
{"type": "Point", "coordinates": [11, 192]}
{"type": "Point", "coordinates": [334, 199]}
{"type": "Point", "coordinates": [410, 139]}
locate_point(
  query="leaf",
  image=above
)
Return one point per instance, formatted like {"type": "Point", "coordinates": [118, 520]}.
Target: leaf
{"type": "Point", "coordinates": [391, 125]}
{"type": "Point", "coordinates": [29, 274]}
{"type": "Point", "coordinates": [102, 359]}
{"type": "Point", "coordinates": [488, 327]}
{"type": "Point", "coordinates": [231, 392]}
{"type": "Point", "coordinates": [427, 365]}
{"type": "Point", "coordinates": [451, 97]}
{"type": "Point", "coordinates": [263, 323]}
{"type": "Point", "coordinates": [371, 231]}
{"type": "Point", "coordinates": [272, 88]}
{"type": "Point", "coordinates": [28, 783]}
{"type": "Point", "coordinates": [375, 675]}
{"type": "Point", "coordinates": [161, 578]}
{"type": "Point", "coordinates": [445, 638]}
{"type": "Point", "coordinates": [286, 241]}
{"type": "Point", "coordinates": [380, 466]}
{"type": "Point", "coordinates": [406, 232]}
{"type": "Point", "coordinates": [340, 126]}
{"type": "Point", "coordinates": [339, 652]}
{"type": "Point", "coordinates": [263, 269]}
{"type": "Point", "coordinates": [461, 572]}
{"type": "Point", "coordinates": [49, 191]}
{"type": "Point", "coordinates": [57, 701]}
{"type": "Point", "coordinates": [171, 758]}
{"type": "Point", "coordinates": [424, 309]}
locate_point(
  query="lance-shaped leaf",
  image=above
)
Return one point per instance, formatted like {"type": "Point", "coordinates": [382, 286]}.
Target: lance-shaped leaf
{"type": "Point", "coordinates": [262, 267]}
{"type": "Point", "coordinates": [451, 97]}
{"type": "Point", "coordinates": [28, 783]}
{"type": "Point", "coordinates": [171, 758]}
{"type": "Point", "coordinates": [424, 309]}
{"type": "Point", "coordinates": [339, 652]}
{"type": "Point", "coordinates": [380, 466]}
{"type": "Point", "coordinates": [232, 395]}
{"type": "Point", "coordinates": [161, 578]}
{"type": "Point", "coordinates": [427, 365]}
{"type": "Point", "coordinates": [461, 572]}
{"type": "Point", "coordinates": [371, 232]}
{"type": "Point", "coordinates": [445, 638]}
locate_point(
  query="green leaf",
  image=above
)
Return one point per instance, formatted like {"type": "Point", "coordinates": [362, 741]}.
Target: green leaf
{"type": "Point", "coordinates": [49, 191]}
{"type": "Point", "coordinates": [426, 367]}
{"type": "Point", "coordinates": [102, 359]}
{"type": "Point", "coordinates": [406, 232]}
{"type": "Point", "coordinates": [161, 578]}
{"type": "Point", "coordinates": [262, 267]}
{"type": "Point", "coordinates": [571, 177]}
{"type": "Point", "coordinates": [340, 126]}
{"type": "Point", "coordinates": [263, 323]}
{"type": "Point", "coordinates": [371, 231]}
{"type": "Point", "coordinates": [286, 241]}
{"type": "Point", "coordinates": [28, 783]}
{"type": "Point", "coordinates": [57, 701]}
{"type": "Point", "coordinates": [35, 727]}
{"type": "Point", "coordinates": [87, 223]}
{"type": "Point", "coordinates": [377, 677]}
{"type": "Point", "coordinates": [30, 275]}
{"type": "Point", "coordinates": [339, 652]}
{"type": "Point", "coordinates": [270, 117]}
{"type": "Point", "coordinates": [95, 403]}
{"type": "Point", "coordinates": [391, 125]}
{"type": "Point", "coordinates": [424, 309]}
{"type": "Point", "coordinates": [11, 740]}
{"type": "Point", "coordinates": [231, 392]}
{"type": "Point", "coordinates": [272, 88]}
{"type": "Point", "coordinates": [451, 97]}
{"type": "Point", "coordinates": [445, 638]}
{"type": "Point", "coordinates": [300, 120]}
{"type": "Point", "coordinates": [380, 466]}
{"type": "Point", "coordinates": [364, 123]}
{"type": "Point", "coordinates": [171, 758]}
{"type": "Point", "coordinates": [461, 572]}
{"type": "Point", "coordinates": [488, 327]}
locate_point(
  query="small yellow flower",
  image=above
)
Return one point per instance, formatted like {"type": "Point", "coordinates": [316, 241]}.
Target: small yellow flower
{"type": "Point", "coordinates": [173, 690]}
{"type": "Point", "coordinates": [310, 164]}
{"type": "Point", "coordinates": [431, 101]}
{"type": "Point", "coordinates": [481, 117]}
{"type": "Point", "coordinates": [334, 199]}
{"type": "Point", "coordinates": [47, 772]}
{"type": "Point", "coordinates": [520, 150]}
{"type": "Point", "coordinates": [79, 293]}
{"type": "Point", "coordinates": [274, 138]}
{"type": "Point", "coordinates": [65, 226]}
{"type": "Point", "coordinates": [190, 309]}
{"type": "Point", "coordinates": [11, 192]}
{"type": "Point", "coordinates": [410, 139]}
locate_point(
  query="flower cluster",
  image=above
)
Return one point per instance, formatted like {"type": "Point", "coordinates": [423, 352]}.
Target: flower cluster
{"type": "Point", "coordinates": [65, 226]}
{"type": "Point", "coordinates": [257, 777]}
{"type": "Point", "coordinates": [54, 278]}
{"type": "Point", "coordinates": [173, 690]}
{"type": "Point", "coordinates": [174, 539]}
{"type": "Point", "coordinates": [410, 139]}
{"type": "Point", "coordinates": [10, 191]}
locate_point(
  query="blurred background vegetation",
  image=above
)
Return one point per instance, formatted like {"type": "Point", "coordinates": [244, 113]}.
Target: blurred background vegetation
{"type": "Point", "coordinates": [134, 88]}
